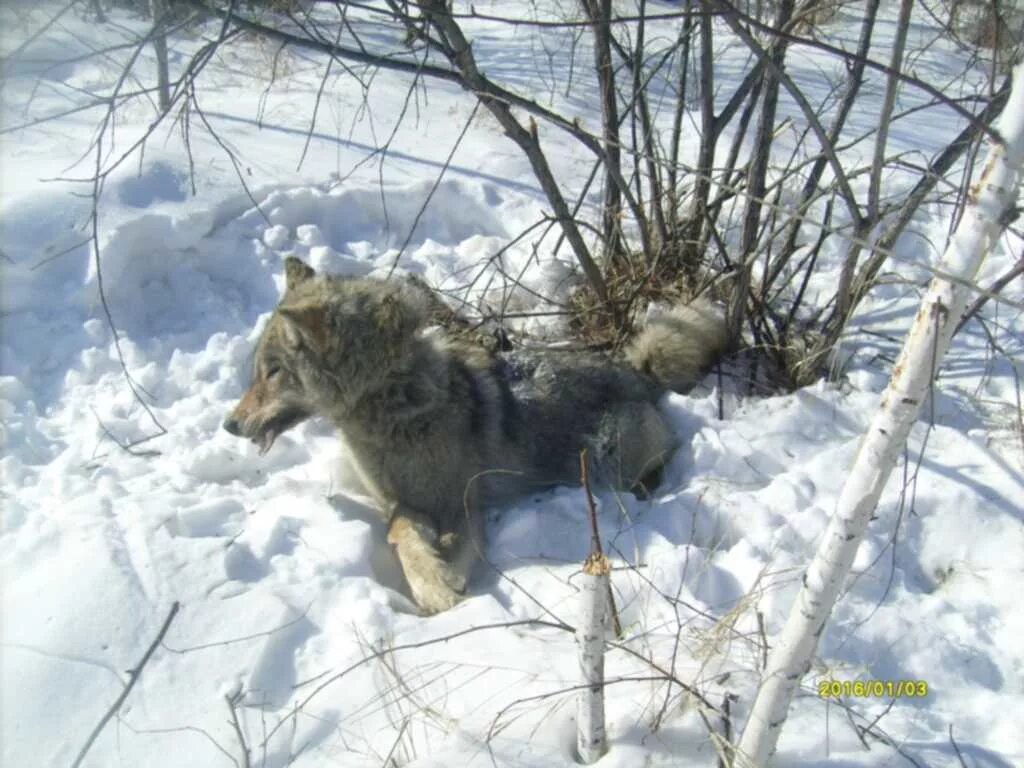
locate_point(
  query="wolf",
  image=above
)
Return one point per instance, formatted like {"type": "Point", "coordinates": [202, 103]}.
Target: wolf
{"type": "Point", "coordinates": [440, 430]}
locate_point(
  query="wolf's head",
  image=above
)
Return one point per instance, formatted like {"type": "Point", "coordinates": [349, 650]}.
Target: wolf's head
{"type": "Point", "coordinates": [330, 341]}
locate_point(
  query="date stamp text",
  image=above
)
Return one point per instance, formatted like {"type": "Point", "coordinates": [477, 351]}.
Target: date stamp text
{"type": "Point", "coordinates": [878, 689]}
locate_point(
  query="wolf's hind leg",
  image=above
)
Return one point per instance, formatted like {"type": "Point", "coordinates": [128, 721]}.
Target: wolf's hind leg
{"type": "Point", "coordinates": [633, 445]}
{"type": "Point", "coordinates": [435, 583]}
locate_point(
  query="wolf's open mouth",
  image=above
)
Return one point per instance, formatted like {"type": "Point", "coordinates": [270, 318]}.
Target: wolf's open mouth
{"type": "Point", "coordinates": [276, 426]}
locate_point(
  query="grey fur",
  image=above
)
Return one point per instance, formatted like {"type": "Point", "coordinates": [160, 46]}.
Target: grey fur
{"type": "Point", "coordinates": [438, 431]}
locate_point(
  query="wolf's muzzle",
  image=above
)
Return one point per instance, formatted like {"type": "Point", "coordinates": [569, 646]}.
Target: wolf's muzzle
{"type": "Point", "coordinates": [231, 425]}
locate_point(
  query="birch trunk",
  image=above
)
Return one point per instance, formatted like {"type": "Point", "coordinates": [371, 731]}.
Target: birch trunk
{"type": "Point", "coordinates": [590, 630]}
{"type": "Point", "coordinates": [992, 198]}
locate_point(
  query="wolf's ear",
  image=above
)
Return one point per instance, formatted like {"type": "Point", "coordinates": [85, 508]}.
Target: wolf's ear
{"type": "Point", "coordinates": [304, 323]}
{"type": "Point", "coordinates": [296, 272]}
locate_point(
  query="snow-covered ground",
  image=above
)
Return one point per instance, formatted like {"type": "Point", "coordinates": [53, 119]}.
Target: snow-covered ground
{"type": "Point", "coordinates": [290, 598]}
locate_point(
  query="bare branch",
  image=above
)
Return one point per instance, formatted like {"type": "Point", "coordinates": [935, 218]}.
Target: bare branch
{"type": "Point", "coordinates": [133, 677]}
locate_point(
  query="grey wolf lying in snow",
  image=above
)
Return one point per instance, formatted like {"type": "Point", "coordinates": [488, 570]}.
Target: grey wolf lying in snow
{"type": "Point", "coordinates": [440, 430]}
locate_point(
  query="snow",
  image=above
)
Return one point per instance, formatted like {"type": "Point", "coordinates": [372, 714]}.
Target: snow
{"type": "Point", "coordinates": [289, 594]}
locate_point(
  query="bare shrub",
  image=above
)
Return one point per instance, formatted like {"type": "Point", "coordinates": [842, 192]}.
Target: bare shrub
{"type": "Point", "coordinates": [997, 27]}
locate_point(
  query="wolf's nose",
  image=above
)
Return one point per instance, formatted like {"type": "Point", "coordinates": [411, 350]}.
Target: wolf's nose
{"type": "Point", "coordinates": [232, 426]}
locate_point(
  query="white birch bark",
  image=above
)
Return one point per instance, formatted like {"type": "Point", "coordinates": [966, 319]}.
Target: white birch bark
{"type": "Point", "coordinates": [991, 199]}
{"type": "Point", "coordinates": [590, 633]}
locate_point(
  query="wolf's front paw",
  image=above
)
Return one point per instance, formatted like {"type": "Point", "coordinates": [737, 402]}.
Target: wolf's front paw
{"type": "Point", "coordinates": [436, 586]}
{"type": "Point", "coordinates": [436, 599]}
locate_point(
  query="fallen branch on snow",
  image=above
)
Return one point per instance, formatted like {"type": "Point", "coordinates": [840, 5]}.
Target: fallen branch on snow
{"type": "Point", "coordinates": [133, 676]}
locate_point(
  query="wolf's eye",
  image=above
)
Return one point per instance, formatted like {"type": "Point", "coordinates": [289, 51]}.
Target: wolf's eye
{"type": "Point", "coordinates": [273, 370]}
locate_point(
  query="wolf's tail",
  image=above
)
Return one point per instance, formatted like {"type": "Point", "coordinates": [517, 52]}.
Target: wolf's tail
{"type": "Point", "coordinates": [677, 346]}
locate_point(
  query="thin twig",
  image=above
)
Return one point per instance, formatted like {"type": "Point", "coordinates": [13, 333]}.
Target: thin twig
{"type": "Point", "coordinates": [956, 747]}
{"type": "Point", "coordinates": [230, 701]}
{"type": "Point", "coordinates": [725, 755]}
{"type": "Point", "coordinates": [133, 676]}
{"type": "Point", "coordinates": [433, 188]}
{"type": "Point", "coordinates": [993, 290]}
{"type": "Point", "coordinates": [764, 639]}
